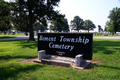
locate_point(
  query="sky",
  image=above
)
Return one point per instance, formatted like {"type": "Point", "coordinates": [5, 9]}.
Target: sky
{"type": "Point", "coordinates": [95, 10]}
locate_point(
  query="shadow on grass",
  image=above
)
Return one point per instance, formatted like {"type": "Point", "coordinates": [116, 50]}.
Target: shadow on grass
{"type": "Point", "coordinates": [24, 43]}
{"type": "Point", "coordinates": [2, 37]}
{"type": "Point", "coordinates": [19, 43]}
{"type": "Point", "coordinates": [13, 69]}
{"type": "Point", "coordinates": [105, 66]}
{"type": "Point", "coordinates": [95, 65]}
{"type": "Point", "coordinates": [29, 44]}
{"type": "Point", "coordinates": [9, 57]}
{"type": "Point", "coordinates": [106, 46]}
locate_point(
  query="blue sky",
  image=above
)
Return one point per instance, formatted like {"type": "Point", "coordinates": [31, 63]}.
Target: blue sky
{"type": "Point", "coordinates": [95, 10]}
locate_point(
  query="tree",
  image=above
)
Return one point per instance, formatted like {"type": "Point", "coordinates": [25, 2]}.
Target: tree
{"type": "Point", "coordinates": [60, 26]}
{"type": "Point", "coordinates": [21, 23]}
{"type": "Point", "coordinates": [37, 10]}
{"type": "Point", "coordinates": [99, 29]}
{"type": "Point", "coordinates": [4, 16]}
{"type": "Point", "coordinates": [88, 25]}
{"type": "Point", "coordinates": [77, 23]}
{"type": "Point", "coordinates": [111, 27]}
{"type": "Point", "coordinates": [105, 28]}
{"type": "Point", "coordinates": [106, 25]}
{"type": "Point", "coordinates": [115, 16]}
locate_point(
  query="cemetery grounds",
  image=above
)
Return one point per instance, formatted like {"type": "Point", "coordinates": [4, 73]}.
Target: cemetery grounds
{"type": "Point", "coordinates": [13, 64]}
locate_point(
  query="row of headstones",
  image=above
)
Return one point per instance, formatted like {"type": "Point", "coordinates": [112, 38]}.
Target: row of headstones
{"type": "Point", "coordinates": [13, 33]}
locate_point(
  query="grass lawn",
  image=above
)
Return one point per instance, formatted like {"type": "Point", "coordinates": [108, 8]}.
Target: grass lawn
{"type": "Point", "coordinates": [5, 36]}
{"type": "Point", "coordinates": [16, 34]}
{"type": "Point", "coordinates": [102, 35]}
{"type": "Point", "coordinates": [107, 52]}
{"type": "Point", "coordinates": [22, 34]}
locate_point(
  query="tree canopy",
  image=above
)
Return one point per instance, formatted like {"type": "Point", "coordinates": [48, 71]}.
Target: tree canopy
{"type": "Point", "coordinates": [100, 29]}
{"type": "Point", "coordinates": [111, 27]}
{"type": "Point", "coordinates": [36, 10]}
{"type": "Point", "coordinates": [88, 25]}
{"type": "Point", "coordinates": [4, 16]}
{"type": "Point", "coordinates": [77, 23]}
{"type": "Point", "coordinates": [21, 23]}
{"type": "Point", "coordinates": [114, 17]}
{"type": "Point", "coordinates": [60, 26]}
{"type": "Point", "coordinates": [105, 29]}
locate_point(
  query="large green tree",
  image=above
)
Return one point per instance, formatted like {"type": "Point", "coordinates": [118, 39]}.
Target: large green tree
{"type": "Point", "coordinates": [37, 10]}
{"type": "Point", "coordinates": [111, 27]}
{"type": "Point", "coordinates": [21, 23]}
{"type": "Point", "coordinates": [77, 23]}
{"type": "Point", "coordinates": [60, 26]}
{"type": "Point", "coordinates": [115, 17]}
{"type": "Point", "coordinates": [88, 25]}
{"type": "Point", "coordinates": [4, 16]}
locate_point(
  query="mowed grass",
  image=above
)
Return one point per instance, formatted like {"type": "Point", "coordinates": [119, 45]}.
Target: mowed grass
{"type": "Point", "coordinates": [16, 34]}
{"type": "Point", "coordinates": [102, 35]}
{"type": "Point", "coordinates": [1, 36]}
{"type": "Point", "coordinates": [107, 52]}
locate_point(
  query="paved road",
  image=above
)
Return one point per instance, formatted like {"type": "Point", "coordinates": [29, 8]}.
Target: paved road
{"type": "Point", "coordinates": [27, 37]}
{"type": "Point", "coordinates": [17, 38]}
{"type": "Point", "coordinates": [115, 37]}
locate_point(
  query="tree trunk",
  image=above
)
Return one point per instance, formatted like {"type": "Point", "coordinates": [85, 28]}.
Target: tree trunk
{"type": "Point", "coordinates": [88, 31]}
{"type": "Point", "coordinates": [31, 36]}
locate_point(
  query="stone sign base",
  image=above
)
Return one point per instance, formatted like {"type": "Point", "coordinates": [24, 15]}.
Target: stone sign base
{"type": "Point", "coordinates": [81, 67]}
{"type": "Point", "coordinates": [53, 62]}
{"type": "Point", "coordinates": [76, 62]}
{"type": "Point", "coordinates": [62, 61]}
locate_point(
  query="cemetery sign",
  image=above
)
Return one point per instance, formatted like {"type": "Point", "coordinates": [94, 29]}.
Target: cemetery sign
{"type": "Point", "coordinates": [66, 44]}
